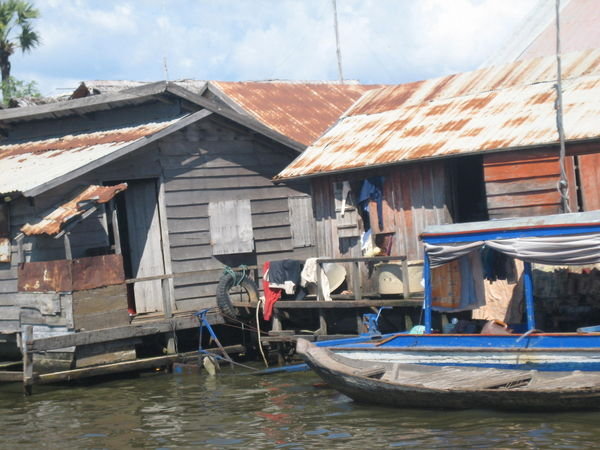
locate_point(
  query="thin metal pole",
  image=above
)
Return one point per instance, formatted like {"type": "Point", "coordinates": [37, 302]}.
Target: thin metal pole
{"type": "Point", "coordinates": [337, 42]}
{"type": "Point", "coordinates": [427, 300]}
{"type": "Point", "coordinates": [528, 285]}
{"type": "Point", "coordinates": [563, 184]}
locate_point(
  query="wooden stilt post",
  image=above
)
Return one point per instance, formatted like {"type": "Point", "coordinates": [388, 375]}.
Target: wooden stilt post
{"type": "Point", "coordinates": [276, 323]}
{"type": "Point", "coordinates": [27, 359]}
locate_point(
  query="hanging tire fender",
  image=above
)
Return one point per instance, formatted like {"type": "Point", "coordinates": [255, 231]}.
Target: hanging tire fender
{"type": "Point", "coordinates": [226, 283]}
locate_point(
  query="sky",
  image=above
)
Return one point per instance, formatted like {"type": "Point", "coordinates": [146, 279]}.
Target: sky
{"type": "Point", "coordinates": [382, 41]}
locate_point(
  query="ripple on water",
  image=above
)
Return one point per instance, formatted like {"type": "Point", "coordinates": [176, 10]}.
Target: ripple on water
{"type": "Point", "coordinates": [280, 411]}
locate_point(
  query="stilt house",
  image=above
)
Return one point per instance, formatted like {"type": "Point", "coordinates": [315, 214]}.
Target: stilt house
{"type": "Point", "coordinates": [150, 182]}
{"type": "Point", "coordinates": [473, 146]}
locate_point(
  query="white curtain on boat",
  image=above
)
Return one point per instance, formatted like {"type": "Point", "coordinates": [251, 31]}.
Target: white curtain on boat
{"type": "Point", "coordinates": [578, 249]}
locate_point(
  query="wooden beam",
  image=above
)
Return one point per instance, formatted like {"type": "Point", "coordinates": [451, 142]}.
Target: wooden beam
{"type": "Point", "coordinates": [125, 366]}
{"type": "Point", "coordinates": [91, 337]}
{"type": "Point", "coordinates": [167, 285]}
{"type": "Point", "coordinates": [27, 359]}
{"type": "Point", "coordinates": [334, 304]}
{"type": "Point", "coordinates": [88, 212]}
{"type": "Point", "coordinates": [115, 226]}
{"type": "Point", "coordinates": [68, 251]}
{"type": "Point", "coordinates": [7, 376]}
{"type": "Point", "coordinates": [20, 253]}
{"type": "Point", "coordinates": [148, 328]}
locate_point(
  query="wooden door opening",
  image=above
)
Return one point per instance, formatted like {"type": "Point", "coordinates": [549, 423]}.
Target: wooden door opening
{"type": "Point", "coordinates": [141, 241]}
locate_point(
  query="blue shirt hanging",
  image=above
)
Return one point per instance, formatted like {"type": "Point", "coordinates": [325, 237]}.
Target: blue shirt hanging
{"type": "Point", "coordinates": [371, 190]}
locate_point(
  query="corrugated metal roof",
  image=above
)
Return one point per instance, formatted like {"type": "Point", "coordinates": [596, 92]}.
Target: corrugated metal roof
{"type": "Point", "coordinates": [490, 109]}
{"type": "Point", "coordinates": [92, 195]}
{"type": "Point", "coordinates": [36, 162]}
{"type": "Point", "coordinates": [302, 111]}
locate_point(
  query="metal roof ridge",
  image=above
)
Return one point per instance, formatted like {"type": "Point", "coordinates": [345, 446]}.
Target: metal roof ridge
{"type": "Point", "coordinates": [146, 90]}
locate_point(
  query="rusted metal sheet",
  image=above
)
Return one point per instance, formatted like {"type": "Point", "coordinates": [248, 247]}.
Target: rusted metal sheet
{"type": "Point", "coordinates": [5, 250]}
{"type": "Point", "coordinates": [97, 271]}
{"type": "Point", "coordinates": [487, 110]}
{"type": "Point", "coordinates": [299, 110]}
{"type": "Point", "coordinates": [63, 154]}
{"type": "Point", "coordinates": [53, 222]}
{"type": "Point", "coordinates": [66, 276]}
{"type": "Point", "coordinates": [45, 276]}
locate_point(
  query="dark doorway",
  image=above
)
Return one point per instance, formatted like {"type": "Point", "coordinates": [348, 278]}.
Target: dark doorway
{"type": "Point", "coordinates": [470, 202]}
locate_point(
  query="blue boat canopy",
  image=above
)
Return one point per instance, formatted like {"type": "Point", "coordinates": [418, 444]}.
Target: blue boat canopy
{"type": "Point", "coordinates": [562, 239]}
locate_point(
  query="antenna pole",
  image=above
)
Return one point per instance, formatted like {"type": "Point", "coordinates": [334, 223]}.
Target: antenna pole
{"type": "Point", "coordinates": [165, 67]}
{"type": "Point", "coordinates": [337, 42]}
{"type": "Point", "coordinates": [563, 184]}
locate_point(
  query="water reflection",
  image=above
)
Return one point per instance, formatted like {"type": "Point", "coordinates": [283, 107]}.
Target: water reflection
{"type": "Point", "coordinates": [279, 411]}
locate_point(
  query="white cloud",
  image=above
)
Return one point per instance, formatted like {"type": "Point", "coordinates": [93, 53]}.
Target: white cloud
{"type": "Point", "coordinates": [387, 41]}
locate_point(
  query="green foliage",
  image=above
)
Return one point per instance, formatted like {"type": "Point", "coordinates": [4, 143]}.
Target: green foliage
{"type": "Point", "coordinates": [13, 89]}
{"type": "Point", "coordinates": [16, 30]}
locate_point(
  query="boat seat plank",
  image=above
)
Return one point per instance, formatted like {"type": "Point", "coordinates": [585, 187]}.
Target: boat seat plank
{"type": "Point", "coordinates": [370, 372]}
{"type": "Point", "coordinates": [572, 380]}
{"type": "Point", "coordinates": [487, 379]}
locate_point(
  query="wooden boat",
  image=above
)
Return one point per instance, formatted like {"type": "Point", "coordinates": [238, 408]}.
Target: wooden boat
{"type": "Point", "coordinates": [453, 387]}
{"type": "Point", "coordinates": [565, 239]}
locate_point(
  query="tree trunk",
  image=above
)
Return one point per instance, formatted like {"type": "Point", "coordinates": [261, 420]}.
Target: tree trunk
{"type": "Point", "coordinates": [5, 71]}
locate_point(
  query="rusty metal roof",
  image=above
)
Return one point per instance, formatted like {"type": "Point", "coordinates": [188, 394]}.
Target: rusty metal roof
{"type": "Point", "coordinates": [499, 108]}
{"type": "Point", "coordinates": [30, 164]}
{"type": "Point", "coordinates": [302, 111]}
{"type": "Point", "coordinates": [53, 222]}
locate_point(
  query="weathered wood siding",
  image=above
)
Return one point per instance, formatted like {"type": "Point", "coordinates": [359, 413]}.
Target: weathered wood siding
{"type": "Point", "coordinates": [414, 197]}
{"type": "Point", "coordinates": [210, 161]}
{"type": "Point", "coordinates": [525, 183]}
{"type": "Point", "coordinates": [589, 176]}
{"type": "Point", "coordinates": [214, 161]}
{"type": "Point", "coordinates": [52, 311]}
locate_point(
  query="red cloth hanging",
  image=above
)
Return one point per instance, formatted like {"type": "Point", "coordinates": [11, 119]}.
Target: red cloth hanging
{"type": "Point", "coordinates": [271, 295]}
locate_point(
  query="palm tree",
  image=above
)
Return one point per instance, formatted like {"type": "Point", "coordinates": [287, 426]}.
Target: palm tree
{"type": "Point", "coordinates": [16, 31]}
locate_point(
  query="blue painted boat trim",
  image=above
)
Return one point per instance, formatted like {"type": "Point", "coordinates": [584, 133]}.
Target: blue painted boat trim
{"type": "Point", "coordinates": [509, 234]}
{"type": "Point", "coordinates": [528, 287]}
{"type": "Point", "coordinates": [428, 296]}
{"type": "Point", "coordinates": [549, 367]}
{"type": "Point", "coordinates": [573, 341]}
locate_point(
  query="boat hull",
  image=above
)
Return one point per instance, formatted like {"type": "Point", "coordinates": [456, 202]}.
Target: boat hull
{"type": "Point", "coordinates": [560, 352]}
{"type": "Point", "coordinates": [343, 377]}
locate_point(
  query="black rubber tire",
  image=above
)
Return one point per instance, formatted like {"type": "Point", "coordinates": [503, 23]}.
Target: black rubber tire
{"type": "Point", "coordinates": [226, 282]}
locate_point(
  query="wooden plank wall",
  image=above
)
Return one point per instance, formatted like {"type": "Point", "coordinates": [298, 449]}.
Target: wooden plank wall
{"type": "Point", "coordinates": [214, 161]}
{"type": "Point", "coordinates": [419, 200]}
{"type": "Point", "coordinates": [49, 310]}
{"type": "Point", "coordinates": [414, 197]}
{"type": "Point", "coordinates": [589, 175]}
{"type": "Point", "coordinates": [524, 183]}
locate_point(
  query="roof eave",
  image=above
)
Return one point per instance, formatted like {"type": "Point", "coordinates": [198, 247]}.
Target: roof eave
{"type": "Point", "coordinates": [279, 179]}
{"type": "Point", "coordinates": [192, 118]}
{"type": "Point", "coordinates": [33, 112]}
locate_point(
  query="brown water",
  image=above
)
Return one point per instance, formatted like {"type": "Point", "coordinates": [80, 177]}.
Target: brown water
{"type": "Point", "coordinates": [276, 411]}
